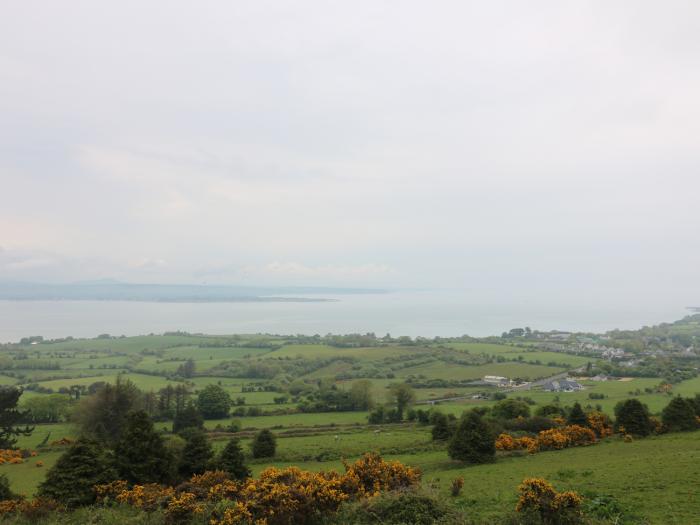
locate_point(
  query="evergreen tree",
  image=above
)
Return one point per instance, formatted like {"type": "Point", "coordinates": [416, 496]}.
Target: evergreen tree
{"type": "Point", "coordinates": [71, 480]}
{"type": "Point", "coordinates": [441, 427]}
{"type": "Point", "coordinates": [679, 415]}
{"type": "Point", "coordinates": [196, 454]}
{"type": "Point", "coordinates": [577, 416]}
{"type": "Point", "coordinates": [634, 417]}
{"type": "Point", "coordinates": [140, 453]}
{"type": "Point", "coordinates": [213, 402]}
{"type": "Point", "coordinates": [188, 417]}
{"type": "Point", "coordinates": [10, 417]}
{"type": "Point", "coordinates": [473, 440]}
{"type": "Point", "coordinates": [5, 492]}
{"type": "Point", "coordinates": [264, 444]}
{"type": "Point", "coordinates": [232, 460]}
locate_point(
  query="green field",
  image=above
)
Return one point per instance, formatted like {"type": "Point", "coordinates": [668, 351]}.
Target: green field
{"type": "Point", "coordinates": [654, 478]}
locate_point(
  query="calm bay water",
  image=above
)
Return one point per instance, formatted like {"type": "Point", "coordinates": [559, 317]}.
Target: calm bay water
{"type": "Point", "coordinates": [398, 313]}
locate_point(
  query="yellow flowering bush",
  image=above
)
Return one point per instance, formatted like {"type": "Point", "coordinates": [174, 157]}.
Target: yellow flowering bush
{"type": "Point", "coordinates": [289, 496]}
{"type": "Point", "coordinates": [552, 439]}
{"type": "Point", "coordinates": [147, 497]}
{"type": "Point", "coordinates": [600, 424]}
{"type": "Point", "coordinates": [370, 475]}
{"type": "Point", "coordinates": [538, 496]}
{"type": "Point", "coordinates": [14, 456]}
{"type": "Point", "coordinates": [182, 507]}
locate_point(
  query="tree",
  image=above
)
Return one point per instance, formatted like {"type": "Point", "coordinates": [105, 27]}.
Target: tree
{"type": "Point", "coordinates": [633, 416]}
{"type": "Point", "coordinates": [103, 415]}
{"type": "Point", "coordinates": [441, 427]}
{"type": "Point", "coordinates": [196, 454]}
{"type": "Point", "coordinates": [213, 402]}
{"type": "Point", "coordinates": [510, 409]}
{"type": "Point", "coordinates": [188, 417]}
{"type": "Point", "coordinates": [140, 453]}
{"type": "Point", "coordinates": [473, 440]}
{"type": "Point", "coordinates": [71, 480]}
{"type": "Point", "coordinates": [232, 460]}
{"type": "Point", "coordinates": [401, 395]}
{"type": "Point", "coordinates": [5, 491]}
{"type": "Point", "coordinates": [186, 369]}
{"type": "Point", "coordinates": [361, 395]}
{"type": "Point", "coordinates": [51, 408]}
{"type": "Point", "coordinates": [10, 416]}
{"type": "Point", "coordinates": [264, 444]}
{"type": "Point", "coordinates": [679, 415]}
{"type": "Point", "coordinates": [577, 416]}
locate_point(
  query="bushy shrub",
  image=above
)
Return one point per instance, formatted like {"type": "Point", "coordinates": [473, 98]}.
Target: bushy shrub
{"type": "Point", "coordinates": [538, 498]}
{"type": "Point", "coordinates": [399, 508]}
{"type": "Point", "coordinates": [473, 440]}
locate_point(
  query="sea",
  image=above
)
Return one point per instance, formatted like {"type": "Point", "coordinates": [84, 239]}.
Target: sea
{"type": "Point", "coordinates": [425, 313]}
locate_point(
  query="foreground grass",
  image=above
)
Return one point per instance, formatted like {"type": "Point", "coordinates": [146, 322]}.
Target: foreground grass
{"type": "Point", "coordinates": [655, 479]}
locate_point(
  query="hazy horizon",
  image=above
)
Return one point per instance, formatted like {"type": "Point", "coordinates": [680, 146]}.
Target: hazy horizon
{"type": "Point", "coordinates": [540, 151]}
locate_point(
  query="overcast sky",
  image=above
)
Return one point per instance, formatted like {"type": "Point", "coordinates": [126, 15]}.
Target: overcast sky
{"type": "Point", "coordinates": [524, 147]}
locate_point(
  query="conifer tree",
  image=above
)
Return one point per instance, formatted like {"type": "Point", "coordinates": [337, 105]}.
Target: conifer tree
{"type": "Point", "coordinates": [264, 444]}
{"type": "Point", "coordinates": [196, 454]}
{"type": "Point", "coordinates": [633, 416]}
{"type": "Point", "coordinates": [232, 460]}
{"type": "Point", "coordinates": [577, 416]}
{"type": "Point", "coordinates": [188, 417]}
{"type": "Point", "coordinates": [473, 440]}
{"type": "Point", "coordinates": [679, 415]}
{"type": "Point", "coordinates": [140, 453]}
{"type": "Point", "coordinates": [10, 417]}
{"type": "Point", "coordinates": [71, 480]}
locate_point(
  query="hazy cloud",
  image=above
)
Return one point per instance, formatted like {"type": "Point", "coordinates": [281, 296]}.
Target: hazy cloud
{"type": "Point", "coordinates": [506, 147]}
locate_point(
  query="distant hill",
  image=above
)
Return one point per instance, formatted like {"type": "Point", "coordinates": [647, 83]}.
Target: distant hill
{"type": "Point", "coordinates": [109, 290]}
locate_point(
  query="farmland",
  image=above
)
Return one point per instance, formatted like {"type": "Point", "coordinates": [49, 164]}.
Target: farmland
{"type": "Point", "coordinates": [270, 380]}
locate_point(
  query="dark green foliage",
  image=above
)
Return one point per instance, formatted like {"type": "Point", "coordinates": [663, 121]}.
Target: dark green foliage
{"type": "Point", "coordinates": [10, 417]}
{"type": "Point", "coordinates": [473, 440]}
{"type": "Point", "coordinates": [71, 480]}
{"type": "Point", "coordinates": [510, 409]}
{"type": "Point", "coordinates": [140, 454]}
{"type": "Point", "coordinates": [679, 415]}
{"type": "Point", "coordinates": [5, 492]}
{"type": "Point", "coordinates": [213, 402]}
{"type": "Point", "coordinates": [634, 417]}
{"type": "Point", "coordinates": [188, 417]}
{"type": "Point", "coordinates": [264, 444]}
{"type": "Point", "coordinates": [441, 430]}
{"type": "Point", "coordinates": [377, 416]}
{"type": "Point", "coordinates": [532, 424]}
{"type": "Point", "coordinates": [401, 395]}
{"type": "Point", "coordinates": [577, 416]}
{"type": "Point", "coordinates": [548, 411]}
{"type": "Point", "coordinates": [196, 454]}
{"type": "Point", "coordinates": [397, 508]}
{"type": "Point", "coordinates": [103, 414]}
{"type": "Point", "coordinates": [695, 401]}
{"type": "Point", "coordinates": [232, 460]}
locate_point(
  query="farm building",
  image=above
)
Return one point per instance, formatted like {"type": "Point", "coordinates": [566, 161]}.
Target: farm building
{"type": "Point", "coordinates": [562, 385]}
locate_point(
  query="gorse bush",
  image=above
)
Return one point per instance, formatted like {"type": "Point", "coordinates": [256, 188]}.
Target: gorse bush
{"type": "Point", "coordinates": [538, 499]}
{"type": "Point", "coordinates": [288, 496]}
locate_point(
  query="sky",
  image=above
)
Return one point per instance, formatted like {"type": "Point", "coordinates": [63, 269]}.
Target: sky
{"type": "Point", "coordinates": [514, 148]}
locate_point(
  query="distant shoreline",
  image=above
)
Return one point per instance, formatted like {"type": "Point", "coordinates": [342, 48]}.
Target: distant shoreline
{"type": "Point", "coordinates": [183, 300]}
